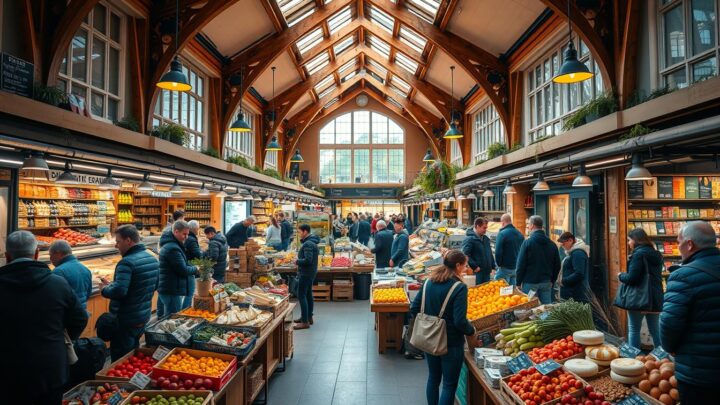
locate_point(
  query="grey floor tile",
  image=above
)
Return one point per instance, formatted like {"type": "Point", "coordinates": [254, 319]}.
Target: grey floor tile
{"type": "Point", "coordinates": [347, 393]}
{"type": "Point", "coordinates": [373, 399]}
{"type": "Point", "coordinates": [319, 385]}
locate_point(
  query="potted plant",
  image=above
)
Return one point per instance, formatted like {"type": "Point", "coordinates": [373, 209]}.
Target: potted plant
{"type": "Point", "coordinates": [203, 283]}
{"type": "Point", "coordinates": [174, 133]}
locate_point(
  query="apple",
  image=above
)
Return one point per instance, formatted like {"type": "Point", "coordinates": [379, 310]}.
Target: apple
{"type": "Point", "coordinates": [188, 384]}
{"type": "Point", "coordinates": [207, 383]}
{"type": "Point", "coordinates": [174, 378]}
{"type": "Point", "coordinates": [174, 386]}
{"type": "Point", "coordinates": [165, 385]}
{"type": "Point", "coordinates": [199, 382]}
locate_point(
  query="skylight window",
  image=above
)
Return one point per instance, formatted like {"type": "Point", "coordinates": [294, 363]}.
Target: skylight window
{"type": "Point", "coordinates": [339, 20]}
{"type": "Point", "coordinates": [324, 83]}
{"type": "Point", "coordinates": [382, 19]}
{"type": "Point", "coordinates": [295, 11]}
{"type": "Point", "coordinates": [394, 102]}
{"type": "Point", "coordinates": [399, 83]}
{"type": "Point", "coordinates": [426, 9]}
{"type": "Point", "coordinates": [343, 45]}
{"type": "Point", "coordinates": [313, 38]}
{"type": "Point", "coordinates": [327, 91]}
{"type": "Point", "coordinates": [331, 102]}
{"type": "Point", "coordinates": [378, 67]}
{"type": "Point", "coordinates": [405, 62]}
{"type": "Point", "coordinates": [378, 45]}
{"type": "Point", "coordinates": [317, 63]}
{"type": "Point", "coordinates": [376, 77]}
{"type": "Point", "coordinates": [347, 66]}
{"type": "Point", "coordinates": [412, 39]}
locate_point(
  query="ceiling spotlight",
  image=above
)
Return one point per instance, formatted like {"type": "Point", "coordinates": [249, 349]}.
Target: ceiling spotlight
{"type": "Point", "coordinates": [67, 177]}
{"type": "Point", "coordinates": [35, 161]}
{"type": "Point", "coordinates": [582, 179]}
{"type": "Point", "coordinates": [488, 193]}
{"type": "Point", "coordinates": [146, 185]}
{"type": "Point", "coordinates": [541, 184]}
{"type": "Point", "coordinates": [222, 192]}
{"type": "Point", "coordinates": [109, 182]}
{"type": "Point", "coordinates": [509, 188]}
{"type": "Point", "coordinates": [429, 158]}
{"type": "Point", "coordinates": [638, 171]}
{"type": "Point", "coordinates": [203, 190]}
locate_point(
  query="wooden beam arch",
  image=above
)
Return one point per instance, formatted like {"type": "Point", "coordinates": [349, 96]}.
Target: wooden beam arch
{"type": "Point", "coordinates": [57, 47]}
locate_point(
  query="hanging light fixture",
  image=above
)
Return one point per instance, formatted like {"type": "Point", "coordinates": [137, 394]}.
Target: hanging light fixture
{"type": "Point", "coordinates": [256, 197]}
{"type": "Point", "coordinates": [297, 158]}
{"type": "Point", "coordinates": [175, 79]}
{"type": "Point", "coordinates": [203, 190]}
{"type": "Point", "coordinates": [471, 196]}
{"type": "Point", "coordinates": [452, 198]}
{"type": "Point", "coordinates": [582, 179]}
{"type": "Point", "coordinates": [638, 171]}
{"type": "Point", "coordinates": [240, 125]}
{"type": "Point", "coordinates": [67, 177]}
{"type": "Point", "coordinates": [509, 188]}
{"type": "Point", "coordinates": [453, 131]}
{"type": "Point", "coordinates": [35, 161]}
{"type": "Point", "coordinates": [176, 189]}
{"type": "Point", "coordinates": [571, 70]}
{"type": "Point", "coordinates": [429, 158]}
{"type": "Point", "coordinates": [541, 184]}
{"type": "Point", "coordinates": [109, 182]}
{"type": "Point", "coordinates": [146, 185]}
{"type": "Point", "coordinates": [222, 192]}
{"type": "Point", "coordinates": [273, 145]}
{"type": "Point", "coordinates": [488, 193]}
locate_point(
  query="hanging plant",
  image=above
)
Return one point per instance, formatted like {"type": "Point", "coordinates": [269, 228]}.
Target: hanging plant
{"type": "Point", "coordinates": [437, 177]}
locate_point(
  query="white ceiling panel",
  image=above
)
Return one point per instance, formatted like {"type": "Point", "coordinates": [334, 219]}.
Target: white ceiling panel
{"type": "Point", "coordinates": [303, 102]}
{"type": "Point", "coordinates": [230, 35]}
{"type": "Point", "coordinates": [286, 75]}
{"type": "Point", "coordinates": [439, 75]}
{"type": "Point", "coordinates": [423, 102]}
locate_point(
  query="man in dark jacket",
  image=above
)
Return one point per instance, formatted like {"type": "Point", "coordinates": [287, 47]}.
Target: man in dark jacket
{"type": "Point", "coordinates": [690, 320]}
{"type": "Point", "coordinates": [383, 245]}
{"type": "Point", "coordinates": [175, 271]}
{"type": "Point", "coordinates": [132, 289]}
{"type": "Point", "coordinates": [286, 230]}
{"type": "Point", "coordinates": [217, 251]}
{"type": "Point", "coordinates": [192, 251]}
{"type": "Point", "coordinates": [307, 262]}
{"type": "Point", "coordinates": [363, 230]}
{"type": "Point", "coordinates": [240, 232]}
{"type": "Point", "coordinates": [538, 262]}
{"type": "Point", "coordinates": [408, 225]}
{"type": "Point", "coordinates": [36, 307]}
{"type": "Point", "coordinates": [178, 215]}
{"type": "Point", "coordinates": [400, 249]}
{"type": "Point", "coordinates": [69, 267]}
{"type": "Point", "coordinates": [476, 247]}
{"type": "Point", "coordinates": [574, 275]}
{"type": "Point", "coordinates": [507, 246]}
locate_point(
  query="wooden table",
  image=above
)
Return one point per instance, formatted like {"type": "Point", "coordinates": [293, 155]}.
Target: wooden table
{"type": "Point", "coordinates": [479, 390]}
{"type": "Point", "coordinates": [389, 321]}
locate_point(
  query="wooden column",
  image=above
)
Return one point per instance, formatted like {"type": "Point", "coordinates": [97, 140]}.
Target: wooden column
{"type": "Point", "coordinates": [616, 246]}
{"type": "Point", "coordinates": [137, 46]}
{"type": "Point", "coordinates": [514, 130]}
{"type": "Point", "coordinates": [516, 206]}
{"type": "Point", "coordinates": [216, 134]}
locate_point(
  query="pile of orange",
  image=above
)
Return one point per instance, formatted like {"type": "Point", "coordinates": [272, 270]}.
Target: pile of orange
{"type": "Point", "coordinates": [485, 299]}
{"type": "Point", "coordinates": [389, 296]}
{"type": "Point", "coordinates": [183, 362]}
{"type": "Point", "coordinates": [199, 313]}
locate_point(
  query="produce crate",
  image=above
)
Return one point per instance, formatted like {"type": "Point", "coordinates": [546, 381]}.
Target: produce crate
{"type": "Point", "coordinates": [321, 293]}
{"type": "Point", "coordinates": [504, 317]}
{"type": "Point", "coordinates": [91, 384]}
{"type": "Point", "coordinates": [276, 310]}
{"type": "Point", "coordinates": [243, 280]}
{"type": "Point", "coordinates": [342, 292]}
{"type": "Point", "coordinates": [169, 394]}
{"type": "Point", "coordinates": [288, 343]}
{"type": "Point", "coordinates": [208, 304]}
{"type": "Point", "coordinates": [102, 374]}
{"type": "Point", "coordinates": [505, 388]}
{"type": "Point", "coordinates": [388, 306]}
{"type": "Point", "coordinates": [254, 380]}
{"type": "Point", "coordinates": [185, 314]}
{"type": "Point", "coordinates": [217, 382]}
{"type": "Point", "coordinates": [166, 339]}
{"type": "Point", "coordinates": [212, 347]}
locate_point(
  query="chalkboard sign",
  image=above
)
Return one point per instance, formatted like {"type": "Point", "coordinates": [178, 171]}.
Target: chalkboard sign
{"type": "Point", "coordinates": [521, 362]}
{"type": "Point", "coordinates": [17, 75]}
{"type": "Point", "coordinates": [635, 190]}
{"type": "Point", "coordinates": [633, 399]}
{"type": "Point", "coordinates": [659, 353]}
{"type": "Point", "coordinates": [665, 187]}
{"type": "Point", "coordinates": [485, 338]}
{"type": "Point", "coordinates": [629, 351]}
{"type": "Point", "coordinates": [548, 366]}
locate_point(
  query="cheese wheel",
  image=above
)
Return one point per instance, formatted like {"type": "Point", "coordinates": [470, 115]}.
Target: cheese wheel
{"type": "Point", "coordinates": [627, 367]}
{"type": "Point", "coordinates": [581, 367]}
{"type": "Point", "coordinates": [589, 337]}
{"type": "Point", "coordinates": [604, 363]}
{"type": "Point", "coordinates": [604, 352]}
{"type": "Point", "coordinates": [625, 379]}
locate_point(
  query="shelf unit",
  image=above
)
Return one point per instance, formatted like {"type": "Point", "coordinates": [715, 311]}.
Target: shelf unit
{"type": "Point", "coordinates": [199, 210]}
{"type": "Point", "coordinates": [43, 214]}
{"type": "Point", "coordinates": [126, 199]}
{"type": "Point", "coordinates": [262, 211]}
{"type": "Point", "coordinates": [148, 211]}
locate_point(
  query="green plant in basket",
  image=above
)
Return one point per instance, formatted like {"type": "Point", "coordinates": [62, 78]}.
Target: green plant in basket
{"type": "Point", "coordinates": [204, 268]}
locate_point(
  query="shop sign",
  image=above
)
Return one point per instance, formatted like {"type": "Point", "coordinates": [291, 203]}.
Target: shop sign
{"type": "Point", "coordinates": [82, 178]}
{"type": "Point", "coordinates": [612, 222]}
{"type": "Point", "coordinates": [372, 192]}
{"type": "Point", "coordinates": [17, 75]}
{"type": "Point", "coordinates": [160, 194]}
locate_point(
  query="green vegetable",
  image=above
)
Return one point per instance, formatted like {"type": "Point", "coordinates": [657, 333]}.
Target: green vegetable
{"type": "Point", "coordinates": [527, 346]}
{"type": "Point", "coordinates": [564, 319]}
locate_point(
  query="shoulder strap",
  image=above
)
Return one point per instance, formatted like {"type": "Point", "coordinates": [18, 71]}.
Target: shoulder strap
{"type": "Point", "coordinates": [422, 299]}
{"type": "Point", "coordinates": [447, 298]}
{"type": "Point", "coordinates": [707, 270]}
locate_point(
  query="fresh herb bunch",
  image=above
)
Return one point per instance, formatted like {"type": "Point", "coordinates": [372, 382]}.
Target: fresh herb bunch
{"type": "Point", "coordinates": [204, 267]}
{"type": "Point", "coordinates": [564, 319]}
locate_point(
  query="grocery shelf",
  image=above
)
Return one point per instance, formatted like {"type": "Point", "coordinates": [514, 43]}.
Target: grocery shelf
{"type": "Point", "coordinates": [44, 228]}
{"type": "Point", "coordinates": [65, 199]}
{"type": "Point", "coordinates": [671, 219]}
{"type": "Point", "coordinates": [677, 200]}
{"type": "Point", "coordinates": [65, 216]}
{"type": "Point", "coordinates": [145, 205]}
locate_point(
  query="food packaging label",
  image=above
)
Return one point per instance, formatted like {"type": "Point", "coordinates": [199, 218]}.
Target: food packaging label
{"type": "Point", "coordinates": [521, 362]}
{"type": "Point", "coordinates": [115, 399]}
{"type": "Point", "coordinates": [659, 353]}
{"type": "Point", "coordinates": [633, 399]}
{"type": "Point", "coordinates": [629, 351]}
{"type": "Point", "coordinates": [506, 290]}
{"type": "Point", "coordinates": [547, 367]}
{"type": "Point", "coordinates": [160, 353]}
{"type": "Point", "coordinates": [531, 294]}
{"type": "Point", "coordinates": [182, 335]}
{"type": "Point", "coordinates": [140, 380]}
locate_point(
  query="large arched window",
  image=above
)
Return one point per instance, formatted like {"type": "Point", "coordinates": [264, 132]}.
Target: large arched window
{"type": "Point", "coordinates": [362, 147]}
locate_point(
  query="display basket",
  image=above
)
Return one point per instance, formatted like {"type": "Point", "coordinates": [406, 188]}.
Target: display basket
{"type": "Point", "coordinates": [212, 347]}
{"type": "Point", "coordinates": [207, 395]}
{"type": "Point", "coordinates": [92, 384]}
{"type": "Point", "coordinates": [157, 338]}
{"type": "Point", "coordinates": [507, 391]}
{"type": "Point", "coordinates": [505, 316]}
{"type": "Point", "coordinates": [256, 329]}
{"type": "Point", "coordinates": [388, 306]}
{"type": "Point", "coordinates": [217, 382]}
{"type": "Point", "coordinates": [102, 374]}
{"type": "Point", "coordinates": [276, 309]}
{"type": "Point", "coordinates": [254, 380]}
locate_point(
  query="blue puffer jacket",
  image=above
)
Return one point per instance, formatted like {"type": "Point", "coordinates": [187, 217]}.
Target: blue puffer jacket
{"type": "Point", "coordinates": [383, 244]}
{"type": "Point", "coordinates": [636, 271]}
{"type": "Point", "coordinates": [690, 320]}
{"type": "Point", "coordinates": [538, 259]}
{"type": "Point", "coordinates": [78, 276]}
{"type": "Point", "coordinates": [400, 249]}
{"type": "Point", "coordinates": [363, 231]}
{"type": "Point", "coordinates": [507, 246]}
{"type": "Point", "coordinates": [218, 251]}
{"type": "Point", "coordinates": [238, 235]}
{"type": "Point", "coordinates": [477, 249]}
{"type": "Point", "coordinates": [131, 292]}
{"type": "Point", "coordinates": [307, 260]}
{"type": "Point", "coordinates": [455, 314]}
{"type": "Point", "coordinates": [192, 247]}
{"type": "Point", "coordinates": [574, 280]}
{"type": "Point", "coordinates": [175, 271]}
{"type": "Point", "coordinates": [286, 230]}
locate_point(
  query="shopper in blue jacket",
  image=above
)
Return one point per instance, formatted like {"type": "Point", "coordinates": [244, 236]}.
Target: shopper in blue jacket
{"type": "Point", "coordinates": [286, 230]}
{"type": "Point", "coordinates": [69, 267]}
{"type": "Point", "coordinates": [383, 245]}
{"type": "Point", "coordinates": [476, 247]}
{"type": "Point", "coordinates": [538, 262]}
{"type": "Point", "coordinates": [175, 271]}
{"type": "Point", "coordinates": [400, 251]}
{"type": "Point", "coordinates": [192, 251]}
{"type": "Point", "coordinates": [574, 281]}
{"type": "Point", "coordinates": [507, 246]}
{"type": "Point", "coordinates": [218, 252]}
{"type": "Point", "coordinates": [240, 232]}
{"type": "Point", "coordinates": [690, 320]}
{"type": "Point", "coordinates": [363, 233]}
{"type": "Point", "coordinates": [307, 262]}
{"type": "Point", "coordinates": [132, 290]}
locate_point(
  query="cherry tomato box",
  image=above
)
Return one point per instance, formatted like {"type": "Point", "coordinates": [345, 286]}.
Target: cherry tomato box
{"type": "Point", "coordinates": [529, 387]}
{"type": "Point", "coordinates": [117, 370]}
{"type": "Point", "coordinates": [217, 381]}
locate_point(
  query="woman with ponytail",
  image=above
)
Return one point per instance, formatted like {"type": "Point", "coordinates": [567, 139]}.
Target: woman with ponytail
{"type": "Point", "coordinates": [446, 281]}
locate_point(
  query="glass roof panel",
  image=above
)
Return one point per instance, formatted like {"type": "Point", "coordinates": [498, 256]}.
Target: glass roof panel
{"type": "Point", "coordinates": [327, 91]}
{"type": "Point", "coordinates": [412, 39]}
{"type": "Point", "coordinates": [331, 102]}
{"type": "Point", "coordinates": [349, 65]}
{"type": "Point", "coordinates": [405, 62]}
{"type": "Point", "coordinates": [381, 18]}
{"type": "Point", "coordinates": [343, 45]}
{"type": "Point", "coordinates": [427, 9]}
{"type": "Point", "coordinates": [378, 45]}
{"type": "Point", "coordinates": [295, 11]}
{"type": "Point", "coordinates": [317, 62]}
{"type": "Point", "coordinates": [311, 39]}
{"type": "Point", "coordinates": [339, 19]}
{"type": "Point", "coordinates": [377, 67]}
{"type": "Point", "coordinates": [324, 83]}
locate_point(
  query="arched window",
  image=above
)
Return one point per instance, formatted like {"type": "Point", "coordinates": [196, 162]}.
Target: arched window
{"type": "Point", "coordinates": [362, 147]}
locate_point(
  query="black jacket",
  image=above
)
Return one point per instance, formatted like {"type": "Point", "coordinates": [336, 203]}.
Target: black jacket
{"type": "Point", "coordinates": [237, 235]}
{"type": "Point", "coordinates": [538, 259]}
{"type": "Point", "coordinates": [307, 260]}
{"type": "Point", "coordinates": [175, 272]}
{"type": "Point", "coordinates": [507, 246]}
{"type": "Point", "coordinates": [477, 249]}
{"type": "Point", "coordinates": [455, 315]}
{"type": "Point", "coordinates": [192, 247]}
{"type": "Point", "coordinates": [36, 307]}
{"type": "Point", "coordinates": [636, 271]}
{"type": "Point", "coordinates": [133, 286]}
{"type": "Point", "coordinates": [363, 231]}
{"type": "Point", "coordinates": [218, 251]}
{"type": "Point", "coordinates": [382, 249]}
{"type": "Point", "coordinates": [575, 283]}
{"type": "Point", "coordinates": [286, 230]}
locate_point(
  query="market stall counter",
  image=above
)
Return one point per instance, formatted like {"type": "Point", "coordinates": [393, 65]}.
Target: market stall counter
{"type": "Point", "coordinates": [390, 306]}
{"type": "Point", "coordinates": [479, 390]}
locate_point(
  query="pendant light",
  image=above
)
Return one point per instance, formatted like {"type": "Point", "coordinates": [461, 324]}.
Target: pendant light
{"type": "Point", "coordinates": [453, 131]}
{"type": "Point", "coordinates": [256, 197]}
{"type": "Point", "coordinates": [297, 158]}
{"type": "Point", "coordinates": [582, 180]}
{"type": "Point", "coordinates": [146, 185]}
{"type": "Point", "coordinates": [203, 190]}
{"type": "Point", "coordinates": [35, 161]}
{"type": "Point", "coordinates": [509, 188]}
{"type": "Point", "coordinates": [273, 146]}
{"type": "Point", "coordinates": [638, 171]}
{"type": "Point", "coordinates": [452, 198]}
{"type": "Point", "coordinates": [571, 70]}
{"type": "Point", "coordinates": [444, 199]}
{"type": "Point", "coordinates": [429, 158]}
{"type": "Point", "coordinates": [488, 193]}
{"type": "Point", "coordinates": [67, 177]}
{"type": "Point", "coordinates": [109, 182]}
{"type": "Point", "coordinates": [471, 196]}
{"type": "Point", "coordinates": [541, 184]}
{"type": "Point", "coordinates": [240, 125]}
{"type": "Point", "coordinates": [222, 192]}
{"type": "Point", "coordinates": [176, 189]}
{"type": "Point", "coordinates": [248, 197]}
{"type": "Point", "coordinates": [175, 79]}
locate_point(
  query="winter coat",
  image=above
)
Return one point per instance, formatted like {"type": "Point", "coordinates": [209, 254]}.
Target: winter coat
{"type": "Point", "coordinates": [574, 274]}
{"type": "Point", "coordinates": [192, 247]}
{"type": "Point", "coordinates": [133, 286]}
{"type": "Point", "coordinates": [36, 307]}
{"type": "Point", "coordinates": [307, 257]}
{"type": "Point", "coordinates": [218, 251]}
{"type": "Point", "coordinates": [507, 246]}
{"type": "Point", "coordinates": [690, 320]}
{"type": "Point", "coordinates": [455, 315]}
{"type": "Point", "coordinates": [273, 235]}
{"type": "Point", "coordinates": [400, 249]}
{"type": "Point", "coordinates": [477, 249]}
{"type": "Point", "coordinates": [408, 226]}
{"type": "Point", "coordinates": [538, 259]}
{"type": "Point", "coordinates": [286, 230]}
{"type": "Point", "coordinates": [237, 235]}
{"type": "Point", "coordinates": [636, 271]}
{"type": "Point", "coordinates": [175, 272]}
{"type": "Point", "coordinates": [383, 246]}
{"type": "Point", "coordinates": [373, 226]}
{"type": "Point", "coordinates": [363, 233]}
{"type": "Point", "coordinates": [354, 230]}
{"type": "Point", "coordinates": [78, 276]}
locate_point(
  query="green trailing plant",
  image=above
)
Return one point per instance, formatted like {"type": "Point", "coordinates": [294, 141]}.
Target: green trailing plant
{"type": "Point", "coordinates": [174, 133]}
{"type": "Point", "coordinates": [600, 106]}
{"type": "Point", "coordinates": [272, 173]}
{"type": "Point", "coordinates": [49, 95]}
{"type": "Point", "coordinates": [437, 177]}
{"type": "Point", "coordinates": [239, 160]}
{"type": "Point", "coordinates": [639, 97]}
{"type": "Point", "coordinates": [129, 123]}
{"type": "Point", "coordinates": [515, 147]}
{"type": "Point", "coordinates": [204, 268]}
{"type": "Point", "coordinates": [210, 151]}
{"type": "Point", "coordinates": [496, 149]}
{"type": "Point", "coordinates": [257, 169]}
{"type": "Point", "coordinates": [637, 130]}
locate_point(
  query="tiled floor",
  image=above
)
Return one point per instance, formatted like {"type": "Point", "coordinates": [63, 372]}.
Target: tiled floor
{"type": "Point", "coordinates": [337, 362]}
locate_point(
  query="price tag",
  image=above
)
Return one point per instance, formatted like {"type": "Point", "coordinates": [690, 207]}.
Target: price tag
{"type": "Point", "coordinates": [547, 367]}
{"type": "Point", "coordinates": [531, 294]}
{"type": "Point", "coordinates": [659, 353]}
{"type": "Point", "coordinates": [115, 399]}
{"type": "Point", "coordinates": [140, 380]}
{"type": "Point", "coordinates": [544, 316]}
{"type": "Point", "coordinates": [506, 290]}
{"type": "Point", "coordinates": [633, 399]}
{"type": "Point", "coordinates": [160, 353]}
{"type": "Point", "coordinates": [216, 297]}
{"type": "Point", "coordinates": [629, 351]}
{"type": "Point", "coordinates": [485, 338]}
{"type": "Point", "coordinates": [182, 335]}
{"type": "Point", "coordinates": [521, 362]}
{"type": "Point", "coordinates": [224, 295]}
{"type": "Point", "coordinates": [509, 316]}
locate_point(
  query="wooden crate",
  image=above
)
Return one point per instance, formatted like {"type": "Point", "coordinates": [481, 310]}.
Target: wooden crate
{"type": "Point", "coordinates": [254, 381]}
{"type": "Point", "coordinates": [243, 280]}
{"type": "Point", "coordinates": [208, 304]}
{"type": "Point", "coordinates": [288, 343]}
{"type": "Point", "coordinates": [102, 374]}
{"type": "Point", "coordinates": [321, 293]}
{"type": "Point", "coordinates": [342, 292]}
{"type": "Point", "coordinates": [505, 316]}
{"type": "Point", "coordinates": [207, 395]}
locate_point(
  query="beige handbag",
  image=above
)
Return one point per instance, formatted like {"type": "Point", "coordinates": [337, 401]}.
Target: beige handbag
{"type": "Point", "coordinates": [429, 332]}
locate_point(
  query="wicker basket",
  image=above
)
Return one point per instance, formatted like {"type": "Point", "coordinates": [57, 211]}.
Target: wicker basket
{"type": "Point", "coordinates": [254, 379]}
